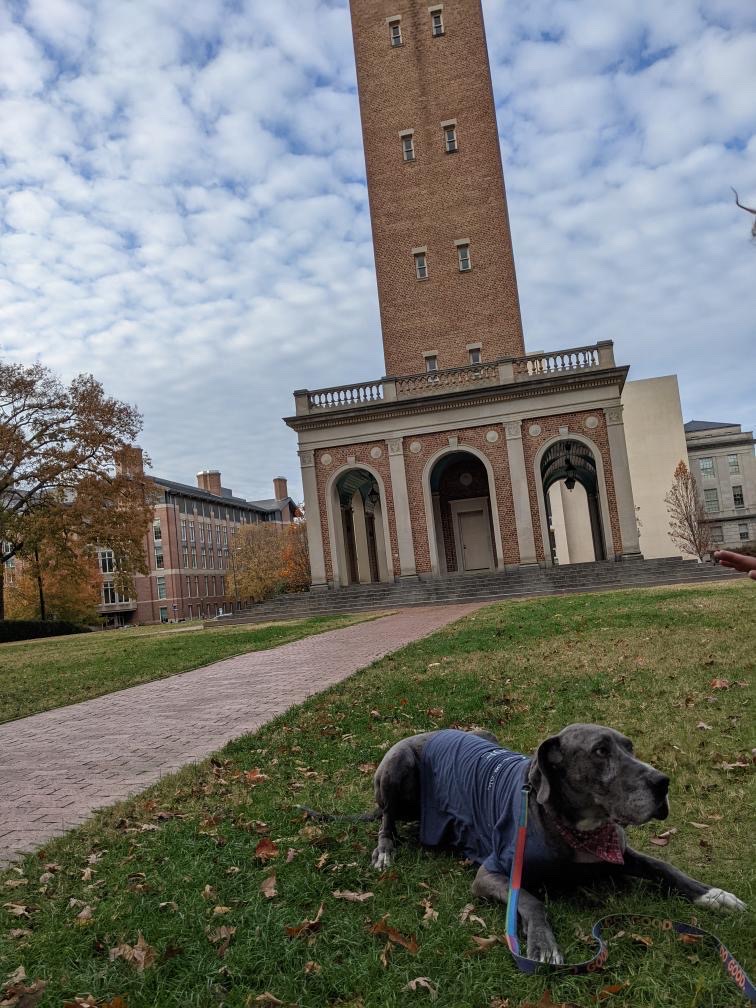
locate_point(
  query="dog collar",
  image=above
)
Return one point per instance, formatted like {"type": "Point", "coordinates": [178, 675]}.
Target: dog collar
{"type": "Point", "coordinates": [603, 843]}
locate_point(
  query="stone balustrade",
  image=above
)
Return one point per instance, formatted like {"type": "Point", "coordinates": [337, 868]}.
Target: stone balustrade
{"type": "Point", "coordinates": [506, 371]}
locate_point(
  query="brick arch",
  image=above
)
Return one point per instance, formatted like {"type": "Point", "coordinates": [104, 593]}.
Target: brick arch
{"type": "Point", "coordinates": [430, 524]}
{"type": "Point", "coordinates": [332, 505]}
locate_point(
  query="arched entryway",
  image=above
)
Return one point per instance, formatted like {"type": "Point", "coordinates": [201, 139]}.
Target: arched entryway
{"type": "Point", "coordinates": [358, 529]}
{"type": "Point", "coordinates": [571, 493]}
{"type": "Point", "coordinates": [464, 539]}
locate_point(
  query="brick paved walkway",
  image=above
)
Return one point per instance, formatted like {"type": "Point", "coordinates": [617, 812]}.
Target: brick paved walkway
{"type": "Point", "coordinates": [56, 768]}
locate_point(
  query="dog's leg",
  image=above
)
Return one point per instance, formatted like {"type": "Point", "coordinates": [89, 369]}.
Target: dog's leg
{"type": "Point", "coordinates": [643, 866]}
{"type": "Point", "coordinates": [541, 943]}
{"type": "Point", "coordinates": [383, 855]}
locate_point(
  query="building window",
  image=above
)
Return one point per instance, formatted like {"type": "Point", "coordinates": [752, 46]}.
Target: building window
{"type": "Point", "coordinates": [185, 556]}
{"type": "Point", "coordinates": [107, 561]}
{"type": "Point", "coordinates": [717, 534]}
{"type": "Point", "coordinates": [707, 467]}
{"type": "Point", "coordinates": [207, 584]}
{"type": "Point", "coordinates": [157, 534]}
{"type": "Point", "coordinates": [711, 500]}
{"type": "Point", "coordinates": [450, 139]}
{"type": "Point", "coordinates": [408, 147]}
{"type": "Point", "coordinates": [159, 561]}
{"type": "Point", "coordinates": [161, 591]}
{"type": "Point", "coordinates": [395, 32]}
{"type": "Point", "coordinates": [431, 363]}
{"type": "Point", "coordinates": [743, 531]}
{"type": "Point", "coordinates": [183, 530]}
{"type": "Point", "coordinates": [214, 588]}
{"type": "Point", "coordinates": [463, 252]}
{"type": "Point", "coordinates": [108, 593]}
{"type": "Point", "coordinates": [421, 266]}
{"type": "Point", "coordinates": [217, 534]}
{"type": "Point", "coordinates": [189, 587]}
{"type": "Point", "coordinates": [191, 612]}
{"type": "Point", "coordinates": [203, 557]}
{"type": "Point", "coordinates": [474, 353]}
{"type": "Point", "coordinates": [734, 465]}
{"type": "Point", "coordinates": [737, 497]}
{"type": "Point", "coordinates": [194, 558]}
{"type": "Point", "coordinates": [202, 532]}
{"type": "Point", "coordinates": [191, 532]}
{"type": "Point", "coordinates": [437, 22]}
{"type": "Point", "coordinates": [163, 614]}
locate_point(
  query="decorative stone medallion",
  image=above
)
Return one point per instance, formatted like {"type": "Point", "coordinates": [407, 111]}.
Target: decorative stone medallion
{"type": "Point", "coordinates": [416, 447]}
{"type": "Point", "coordinates": [492, 436]}
{"type": "Point", "coordinates": [564, 430]}
{"type": "Point", "coordinates": [376, 452]}
{"type": "Point", "coordinates": [326, 459]}
{"type": "Point", "coordinates": [591, 422]}
{"type": "Point", "coordinates": [534, 430]}
{"type": "Point", "coordinates": [465, 479]}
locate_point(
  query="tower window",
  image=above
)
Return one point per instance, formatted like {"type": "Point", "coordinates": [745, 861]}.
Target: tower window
{"type": "Point", "coordinates": [431, 363]}
{"type": "Point", "coordinates": [408, 147]}
{"type": "Point", "coordinates": [474, 354]}
{"type": "Point", "coordinates": [395, 32]}
{"type": "Point", "coordinates": [463, 254]}
{"type": "Point", "coordinates": [450, 139]}
{"type": "Point", "coordinates": [737, 497]}
{"type": "Point", "coordinates": [437, 21]}
{"type": "Point", "coordinates": [421, 266]}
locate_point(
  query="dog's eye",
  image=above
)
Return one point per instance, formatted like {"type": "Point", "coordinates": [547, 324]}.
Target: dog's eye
{"type": "Point", "coordinates": [601, 751]}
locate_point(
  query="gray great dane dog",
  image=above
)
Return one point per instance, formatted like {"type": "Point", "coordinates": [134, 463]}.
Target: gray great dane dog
{"type": "Point", "coordinates": [584, 781]}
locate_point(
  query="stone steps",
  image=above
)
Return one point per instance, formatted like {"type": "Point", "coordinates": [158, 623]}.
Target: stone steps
{"type": "Point", "coordinates": [495, 586]}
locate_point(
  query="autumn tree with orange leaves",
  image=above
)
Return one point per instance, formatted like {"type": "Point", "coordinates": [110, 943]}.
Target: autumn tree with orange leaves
{"type": "Point", "coordinates": [688, 528]}
{"type": "Point", "coordinates": [60, 493]}
{"type": "Point", "coordinates": [269, 559]}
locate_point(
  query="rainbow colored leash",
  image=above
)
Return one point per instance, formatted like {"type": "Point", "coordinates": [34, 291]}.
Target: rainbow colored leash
{"type": "Point", "coordinates": [730, 965]}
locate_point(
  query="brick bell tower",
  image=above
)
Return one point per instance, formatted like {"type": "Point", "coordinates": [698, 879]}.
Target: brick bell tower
{"type": "Point", "coordinates": [469, 456]}
{"type": "Point", "coordinates": [443, 252]}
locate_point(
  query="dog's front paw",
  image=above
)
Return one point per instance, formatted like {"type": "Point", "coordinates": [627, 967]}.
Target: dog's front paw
{"type": "Point", "coordinates": [382, 859]}
{"type": "Point", "coordinates": [718, 899]}
{"type": "Point", "coordinates": [543, 948]}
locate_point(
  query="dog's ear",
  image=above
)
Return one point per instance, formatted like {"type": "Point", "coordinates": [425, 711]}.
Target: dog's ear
{"type": "Point", "coordinates": [548, 755]}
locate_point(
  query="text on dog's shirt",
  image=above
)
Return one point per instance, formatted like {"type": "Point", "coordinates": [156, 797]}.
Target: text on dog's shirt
{"type": "Point", "coordinates": [470, 793]}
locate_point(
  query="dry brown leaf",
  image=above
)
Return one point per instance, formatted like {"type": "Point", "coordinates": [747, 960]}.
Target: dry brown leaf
{"type": "Point", "coordinates": [662, 839]}
{"type": "Point", "coordinates": [484, 944]}
{"type": "Point", "coordinates": [266, 1000]}
{"type": "Point", "coordinates": [209, 892]}
{"type": "Point", "coordinates": [700, 825]}
{"type": "Point", "coordinates": [312, 968]}
{"type": "Point", "coordinates": [430, 913]}
{"type": "Point", "coordinates": [386, 954]}
{"type": "Point", "coordinates": [22, 995]}
{"type": "Point", "coordinates": [221, 937]}
{"type": "Point", "coordinates": [720, 684]}
{"type": "Point", "coordinates": [352, 897]}
{"type": "Point", "coordinates": [291, 853]}
{"type": "Point", "coordinates": [500, 1003]}
{"type": "Point", "coordinates": [219, 911]}
{"type": "Point", "coordinates": [307, 927]}
{"type": "Point", "coordinates": [320, 863]}
{"type": "Point", "coordinates": [733, 766]}
{"type": "Point", "coordinates": [266, 850]}
{"type": "Point", "coordinates": [168, 905]}
{"type": "Point", "coordinates": [367, 768]}
{"type": "Point", "coordinates": [380, 927]}
{"type": "Point", "coordinates": [268, 887]}
{"type": "Point", "coordinates": [435, 712]}
{"type": "Point", "coordinates": [85, 916]}
{"type": "Point", "coordinates": [421, 983]}
{"type": "Point", "coordinates": [642, 940]}
{"type": "Point", "coordinates": [15, 883]}
{"type": "Point", "coordinates": [610, 990]}
{"type": "Point", "coordinates": [140, 956]}
{"type": "Point", "coordinates": [703, 726]}
{"type": "Point", "coordinates": [17, 909]}
{"type": "Point", "coordinates": [19, 933]}
{"type": "Point", "coordinates": [468, 915]}
{"type": "Point", "coordinates": [254, 777]}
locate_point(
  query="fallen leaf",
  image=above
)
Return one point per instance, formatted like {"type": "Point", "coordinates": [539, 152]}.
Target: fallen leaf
{"type": "Point", "coordinates": [16, 977]}
{"type": "Point", "coordinates": [367, 768]}
{"type": "Point", "coordinates": [311, 968]}
{"type": "Point", "coordinates": [435, 712]}
{"type": "Point", "coordinates": [468, 915]}
{"type": "Point", "coordinates": [219, 911]}
{"type": "Point", "coordinates": [688, 939]}
{"type": "Point", "coordinates": [268, 887]}
{"type": "Point", "coordinates": [140, 956]}
{"type": "Point", "coordinates": [500, 1003]}
{"type": "Point", "coordinates": [168, 905]}
{"type": "Point", "coordinates": [209, 892]}
{"type": "Point", "coordinates": [17, 994]}
{"type": "Point", "coordinates": [267, 1000]}
{"type": "Point", "coordinates": [700, 825]}
{"type": "Point", "coordinates": [15, 883]}
{"type": "Point", "coordinates": [484, 944]}
{"type": "Point", "coordinates": [607, 992]}
{"type": "Point", "coordinates": [307, 927]}
{"type": "Point", "coordinates": [291, 853]}
{"type": "Point", "coordinates": [19, 933]}
{"type": "Point", "coordinates": [733, 766]}
{"type": "Point", "coordinates": [266, 849]}
{"type": "Point", "coordinates": [221, 937]}
{"type": "Point", "coordinates": [85, 915]}
{"type": "Point", "coordinates": [422, 983]}
{"type": "Point", "coordinates": [17, 909]}
{"type": "Point", "coordinates": [320, 863]}
{"type": "Point", "coordinates": [662, 839]}
{"type": "Point", "coordinates": [720, 684]}
{"type": "Point", "coordinates": [380, 927]}
{"type": "Point", "coordinates": [352, 897]}
{"type": "Point", "coordinates": [430, 913]}
{"type": "Point", "coordinates": [642, 940]}
{"type": "Point", "coordinates": [255, 776]}
{"type": "Point", "coordinates": [703, 726]}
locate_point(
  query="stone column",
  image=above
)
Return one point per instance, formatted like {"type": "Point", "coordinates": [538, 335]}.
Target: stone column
{"type": "Point", "coordinates": [312, 510]}
{"type": "Point", "coordinates": [520, 493]}
{"type": "Point", "coordinates": [401, 508]}
{"type": "Point", "coordinates": [623, 488]}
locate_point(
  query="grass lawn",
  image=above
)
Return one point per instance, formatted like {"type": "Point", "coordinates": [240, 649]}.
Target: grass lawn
{"type": "Point", "coordinates": [40, 675]}
{"type": "Point", "coordinates": [213, 865]}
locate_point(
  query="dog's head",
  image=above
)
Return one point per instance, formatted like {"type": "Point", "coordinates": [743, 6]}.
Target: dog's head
{"type": "Point", "coordinates": [588, 775]}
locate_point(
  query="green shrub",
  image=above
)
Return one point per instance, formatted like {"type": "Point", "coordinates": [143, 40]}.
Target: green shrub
{"type": "Point", "coordinates": [15, 630]}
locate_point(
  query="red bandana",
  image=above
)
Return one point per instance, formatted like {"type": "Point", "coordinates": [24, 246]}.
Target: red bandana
{"type": "Point", "coordinates": [603, 843]}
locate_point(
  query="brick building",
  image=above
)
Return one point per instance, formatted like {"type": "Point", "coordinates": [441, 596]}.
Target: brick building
{"type": "Point", "coordinates": [189, 549]}
{"type": "Point", "coordinates": [457, 459]}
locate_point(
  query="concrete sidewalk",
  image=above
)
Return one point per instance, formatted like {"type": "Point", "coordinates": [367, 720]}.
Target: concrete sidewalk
{"type": "Point", "coordinates": [56, 768]}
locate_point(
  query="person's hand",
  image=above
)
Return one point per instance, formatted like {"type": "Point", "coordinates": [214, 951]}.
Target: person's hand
{"type": "Point", "coordinates": [737, 561]}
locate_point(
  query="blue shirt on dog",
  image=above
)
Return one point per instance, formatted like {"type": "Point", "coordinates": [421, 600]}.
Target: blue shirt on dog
{"type": "Point", "coordinates": [470, 792]}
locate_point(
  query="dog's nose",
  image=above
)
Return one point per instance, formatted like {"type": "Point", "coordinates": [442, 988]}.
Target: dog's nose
{"type": "Point", "coordinates": [660, 785]}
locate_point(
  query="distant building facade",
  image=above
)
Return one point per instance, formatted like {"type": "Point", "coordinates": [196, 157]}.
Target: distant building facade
{"type": "Point", "coordinates": [189, 550]}
{"type": "Point", "coordinates": [721, 457]}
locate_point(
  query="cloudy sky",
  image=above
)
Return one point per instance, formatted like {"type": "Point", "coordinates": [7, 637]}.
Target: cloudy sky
{"type": "Point", "coordinates": [183, 209]}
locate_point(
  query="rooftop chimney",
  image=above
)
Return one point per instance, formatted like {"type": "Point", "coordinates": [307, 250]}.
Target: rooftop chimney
{"type": "Point", "coordinates": [280, 487]}
{"type": "Point", "coordinates": [210, 481]}
{"type": "Point", "coordinates": [129, 461]}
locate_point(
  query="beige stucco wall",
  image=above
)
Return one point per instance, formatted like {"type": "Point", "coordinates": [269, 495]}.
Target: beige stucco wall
{"type": "Point", "coordinates": [655, 444]}
{"type": "Point", "coordinates": [571, 523]}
